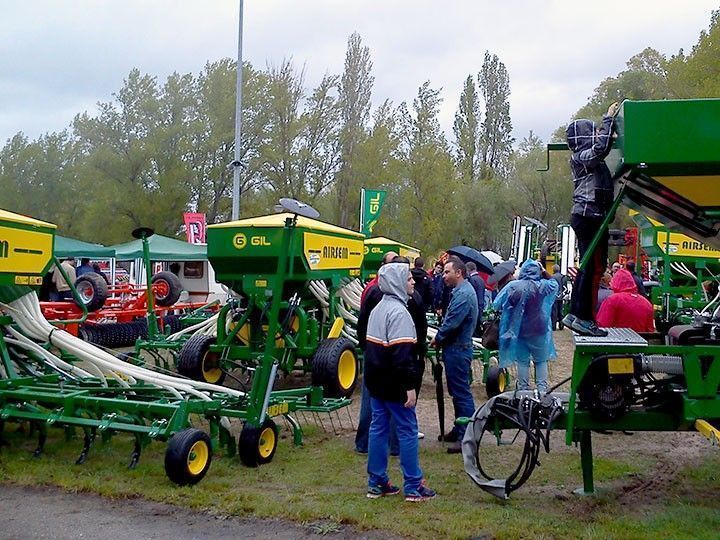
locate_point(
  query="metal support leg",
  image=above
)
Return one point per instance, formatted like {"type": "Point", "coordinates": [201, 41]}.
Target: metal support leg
{"type": "Point", "coordinates": [586, 460]}
{"type": "Point", "coordinates": [297, 430]}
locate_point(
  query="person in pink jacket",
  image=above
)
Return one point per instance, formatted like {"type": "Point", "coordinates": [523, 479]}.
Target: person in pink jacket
{"type": "Point", "coordinates": [626, 308]}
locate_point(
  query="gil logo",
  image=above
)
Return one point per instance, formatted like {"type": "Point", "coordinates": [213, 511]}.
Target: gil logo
{"type": "Point", "coordinates": [239, 241]}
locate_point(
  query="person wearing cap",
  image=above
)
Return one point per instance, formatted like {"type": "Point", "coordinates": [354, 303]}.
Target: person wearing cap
{"type": "Point", "coordinates": [525, 332]}
{"type": "Point", "coordinates": [455, 337]}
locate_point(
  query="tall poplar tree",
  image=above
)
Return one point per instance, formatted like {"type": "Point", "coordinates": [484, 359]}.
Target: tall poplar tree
{"type": "Point", "coordinates": [496, 134]}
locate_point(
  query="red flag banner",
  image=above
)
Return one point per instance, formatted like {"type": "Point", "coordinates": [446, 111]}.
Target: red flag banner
{"type": "Point", "coordinates": [195, 227]}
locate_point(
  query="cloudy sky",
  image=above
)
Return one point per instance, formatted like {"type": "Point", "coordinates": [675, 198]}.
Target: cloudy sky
{"type": "Point", "coordinates": [59, 58]}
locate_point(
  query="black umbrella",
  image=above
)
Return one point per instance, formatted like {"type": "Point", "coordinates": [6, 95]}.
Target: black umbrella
{"type": "Point", "coordinates": [468, 254]}
{"type": "Point", "coordinates": [502, 270]}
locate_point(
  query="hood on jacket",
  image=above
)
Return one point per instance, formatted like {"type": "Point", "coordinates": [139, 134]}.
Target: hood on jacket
{"type": "Point", "coordinates": [531, 269]}
{"type": "Point", "coordinates": [580, 134]}
{"type": "Point", "coordinates": [623, 281]}
{"type": "Point", "coordinates": [393, 278]}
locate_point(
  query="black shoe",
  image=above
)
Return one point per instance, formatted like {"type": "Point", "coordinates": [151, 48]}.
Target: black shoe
{"type": "Point", "coordinates": [451, 436]}
{"type": "Point", "coordinates": [454, 448]}
{"type": "Point", "coordinates": [587, 328]}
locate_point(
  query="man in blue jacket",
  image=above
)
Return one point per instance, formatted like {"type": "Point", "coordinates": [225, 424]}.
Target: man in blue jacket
{"type": "Point", "coordinates": [455, 337]}
{"type": "Point", "coordinates": [593, 196]}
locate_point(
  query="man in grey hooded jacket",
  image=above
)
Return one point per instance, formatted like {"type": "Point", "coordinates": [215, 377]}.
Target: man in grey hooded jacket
{"type": "Point", "coordinates": [390, 377]}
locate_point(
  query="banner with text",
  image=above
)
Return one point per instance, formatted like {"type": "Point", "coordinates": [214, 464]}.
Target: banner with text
{"type": "Point", "coordinates": [371, 203]}
{"type": "Point", "coordinates": [195, 227]}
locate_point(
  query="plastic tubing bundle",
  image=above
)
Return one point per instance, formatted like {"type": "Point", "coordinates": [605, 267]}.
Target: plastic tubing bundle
{"type": "Point", "coordinates": [26, 313]}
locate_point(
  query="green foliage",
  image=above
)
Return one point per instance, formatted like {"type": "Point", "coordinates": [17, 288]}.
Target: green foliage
{"type": "Point", "coordinates": [496, 138]}
{"type": "Point", "coordinates": [160, 148]}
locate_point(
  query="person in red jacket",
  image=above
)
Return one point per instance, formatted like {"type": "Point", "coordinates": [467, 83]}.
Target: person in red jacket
{"type": "Point", "coordinates": [625, 308]}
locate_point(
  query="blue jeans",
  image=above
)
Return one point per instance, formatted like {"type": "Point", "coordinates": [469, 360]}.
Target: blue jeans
{"type": "Point", "coordinates": [541, 376]}
{"type": "Point", "coordinates": [363, 430]}
{"type": "Point", "coordinates": [457, 371]}
{"type": "Point", "coordinates": [407, 430]}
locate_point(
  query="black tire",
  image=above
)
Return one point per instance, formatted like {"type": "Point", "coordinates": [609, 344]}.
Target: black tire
{"type": "Point", "coordinates": [93, 290]}
{"type": "Point", "coordinates": [197, 362]}
{"type": "Point", "coordinates": [188, 456]}
{"type": "Point", "coordinates": [257, 445]}
{"type": "Point", "coordinates": [497, 380]}
{"type": "Point", "coordinates": [172, 324]}
{"type": "Point", "coordinates": [166, 288]}
{"type": "Point", "coordinates": [333, 368]}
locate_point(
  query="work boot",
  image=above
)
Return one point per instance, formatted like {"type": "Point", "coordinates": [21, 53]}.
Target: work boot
{"type": "Point", "coordinates": [587, 328]}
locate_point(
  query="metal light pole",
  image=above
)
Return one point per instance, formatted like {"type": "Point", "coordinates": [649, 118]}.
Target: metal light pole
{"type": "Point", "coordinates": [238, 123]}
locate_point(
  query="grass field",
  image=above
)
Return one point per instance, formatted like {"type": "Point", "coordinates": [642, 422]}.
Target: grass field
{"type": "Point", "coordinates": [652, 485]}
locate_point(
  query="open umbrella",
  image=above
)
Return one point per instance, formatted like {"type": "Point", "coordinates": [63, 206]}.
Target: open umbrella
{"type": "Point", "coordinates": [502, 270]}
{"type": "Point", "coordinates": [468, 254]}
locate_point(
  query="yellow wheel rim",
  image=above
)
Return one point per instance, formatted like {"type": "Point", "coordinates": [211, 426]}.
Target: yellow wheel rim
{"type": "Point", "coordinates": [267, 441]}
{"type": "Point", "coordinates": [501, 381]}
{"type": "Point", "coordinates": [198, 458]}
{"type": "Point", "coordinates": [347, 369]}
{"type": "Point", "coordinates": [210, 369]}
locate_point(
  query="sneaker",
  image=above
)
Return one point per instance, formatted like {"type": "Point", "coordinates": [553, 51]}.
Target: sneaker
{"type": "Point", "coordinates": [361, 451]}
{"type": "Point", "coordinates": [421, 435]}
{"type": "Point", "coordinates": [568, 320]}
{"type": "Point", "coordinates": [375, 492]}
{"type": "Point", "coordinates": [423, 493]}
{"type": "Point", "coordinates": [587, 328]}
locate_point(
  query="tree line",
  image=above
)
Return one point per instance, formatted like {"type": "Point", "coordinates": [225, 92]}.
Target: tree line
{"type": "Point", "coordinates": [158, 149]}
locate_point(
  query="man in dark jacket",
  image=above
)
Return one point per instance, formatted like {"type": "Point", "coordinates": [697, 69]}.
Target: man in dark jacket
{"type": "Point", "coordinates": [478, 284]}
{"type": "Point", "coordinates": [630, 267]}
{"type": "Point", "coordinates": [593, 195]}
{"type": "Point", "coordinates": [423, 283]}
{"type": "Point", "coordinates": [391, 378]}
{"type": "Point", "coordinates": [558, 305]}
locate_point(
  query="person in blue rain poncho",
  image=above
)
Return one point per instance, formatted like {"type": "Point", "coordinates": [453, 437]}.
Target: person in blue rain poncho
{"type": "Point", "coordinates": [525, 331]}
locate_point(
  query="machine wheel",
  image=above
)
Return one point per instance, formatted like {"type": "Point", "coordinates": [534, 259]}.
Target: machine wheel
{"type": "Point", "coordinates": [257, 445]}
{"type": "Point", "coordinates": [198, 362]}
{"type": "Point", "coordinates": [188, 456]}
{"type": "Point", "coordinates": [497, 380]}
{"type": "Point", "coordinates": [93, 290]}
{"type": "Point", "coordinates": [166, 288]}
{"type": "Point", "coordinates": [335, 367]}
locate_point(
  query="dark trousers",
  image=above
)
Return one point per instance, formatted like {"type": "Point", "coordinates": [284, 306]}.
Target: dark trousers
{"type": "Point", "coordinates": [587, 282]}
{"type": "Point", "coordinates": [557, 315]}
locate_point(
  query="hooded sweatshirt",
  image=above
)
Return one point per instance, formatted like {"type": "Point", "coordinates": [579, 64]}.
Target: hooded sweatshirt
{"type": "Point", "coordinates": [526, 304]}
{"type": "Point", "coordinates": [593, 191]}
{"type": "Point", "coordinates": [390, 370]}
{"type": "Point", "coordinates": [625, 308]}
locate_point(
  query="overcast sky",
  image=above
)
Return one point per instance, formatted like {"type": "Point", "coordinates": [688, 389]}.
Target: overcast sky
{"type": "Point", "coordinates": [59, 58]}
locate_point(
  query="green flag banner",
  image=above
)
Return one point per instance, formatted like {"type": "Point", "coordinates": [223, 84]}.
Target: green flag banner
{"type": "Point", "coordinates": [371, 202]}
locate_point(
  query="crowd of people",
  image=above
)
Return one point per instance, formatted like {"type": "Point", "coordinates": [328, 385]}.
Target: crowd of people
{"type": "Point", "coordinates": [393, 322]}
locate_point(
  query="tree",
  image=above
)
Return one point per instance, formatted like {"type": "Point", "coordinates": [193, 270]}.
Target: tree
{"type": "Point", "coordinates": [467, 132]}
{"type": "Point", "coordinates": [427, 188]}
{"type": "Point", "coordinates": [496, 138]}
{"type": "Point", "coordinates": [354, 104]}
